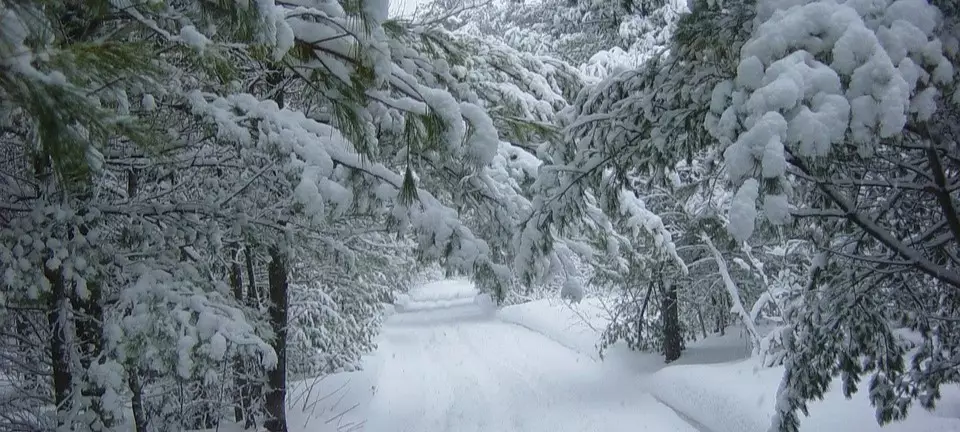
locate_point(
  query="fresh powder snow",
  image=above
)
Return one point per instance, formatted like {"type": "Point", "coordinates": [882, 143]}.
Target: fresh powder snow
{"type": "Point", "coordinates": [456, 366]}
{"type": "Point", "coordinates": [480, 215]}
{"type": "Point", "coordinates": [448, 361]}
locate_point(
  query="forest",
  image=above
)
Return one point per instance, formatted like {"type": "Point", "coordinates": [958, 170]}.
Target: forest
{"type": "Point", "coordinates": [202, 201]}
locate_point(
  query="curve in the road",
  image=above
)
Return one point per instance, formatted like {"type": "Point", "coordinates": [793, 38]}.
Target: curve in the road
{"type": "Point", "coordinates": [461, 370]}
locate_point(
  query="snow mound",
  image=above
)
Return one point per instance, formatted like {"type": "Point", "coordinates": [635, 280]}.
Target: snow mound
{"type": "Point", "coordinates": [485, 302]}
{"type": "Point", "coordinates": [740, 397]}
{"type": "Point", "coordinates": [575, 326]}
{"type": "Point", "coordinates": [332, 403]}
{"type": "Point", "coordinates": [437, 295]}
{"type": "Point", "coordinates": [579, 327]}
{"type": "Point", "coordinates": [408, 305]}
{"type": "Point", "coordinates": [714, 383]}
{"type": "Point", "coordinates": [443, 290]}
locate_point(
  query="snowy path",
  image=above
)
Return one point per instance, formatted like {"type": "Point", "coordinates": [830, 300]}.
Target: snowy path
{"type": "Point", "coordinates": [457, 368]}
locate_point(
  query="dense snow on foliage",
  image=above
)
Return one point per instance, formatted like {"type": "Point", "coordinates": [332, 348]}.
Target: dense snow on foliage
{"type": "Point", "coordinates": [204, 198]}
{"type": "Point", "coordinates": [200, 201]}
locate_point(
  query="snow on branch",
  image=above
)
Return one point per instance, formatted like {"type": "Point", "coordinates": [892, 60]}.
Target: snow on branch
{"type": "Point", "coordinates": [314, 149]}
{"type": "Point", "coordinates": [640, 219]}
{"type": "Point", "coordinates": [734, 293]}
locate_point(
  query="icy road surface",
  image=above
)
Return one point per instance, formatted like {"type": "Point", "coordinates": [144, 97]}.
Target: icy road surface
{"type": "Point", "coordinates": [452, 366]}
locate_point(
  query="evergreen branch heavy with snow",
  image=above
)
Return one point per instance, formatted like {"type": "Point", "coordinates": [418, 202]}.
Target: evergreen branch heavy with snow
{"type": "Point", "coordinates": [179, 168]}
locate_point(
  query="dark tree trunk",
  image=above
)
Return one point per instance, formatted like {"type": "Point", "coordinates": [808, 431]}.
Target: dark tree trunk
{"type": "Point", "coordinates": [133, 370]}
{"type": "Point", "coordinates": [206, 415]}
{"type": "Point", "coordinates": [236, 280]}
{"type": "Point", "coordinates": [720, 320]}
{"type": "Point", "coordinates": [724, 313]}
{"type": "Point", "coordinates": [278, 302]}
{"type": "Point", "coordinates": [703, 325]}
{"type": "Point", "coordinates": [136, 390]}
{"type": "Point", "coordinates": [277, 378]}
{"type": "Point", "coordinates": [253, 294]}
{"type": "Point", "coordinates": [133, 182]}
{"type": "Point", "coordinates": [251, 390]}
{"type": "Point", "coordinates": [59, 302]}
{"type": "Point", "coordinates": [643, 314]}
{"type": "Point", "coordinates": [672, 337]}
{"type": "Point", "coordinates": [89, 319]}
{"type": "Point", "coordinates": [241, 403]}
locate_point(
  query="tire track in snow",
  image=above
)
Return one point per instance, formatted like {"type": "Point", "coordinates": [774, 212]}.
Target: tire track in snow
{"type": "Point", "coordinates": [448, 371]}
{"type": "Point", "coordinates": [517, 417]}
{"type": "Point", "coordinates": [700, 427]}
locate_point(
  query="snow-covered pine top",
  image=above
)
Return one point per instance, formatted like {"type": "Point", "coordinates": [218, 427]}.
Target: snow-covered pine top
{"type": "Point", "coordinates": [819, 75]}
{"type": "Point", "coordinates": [646, 35]}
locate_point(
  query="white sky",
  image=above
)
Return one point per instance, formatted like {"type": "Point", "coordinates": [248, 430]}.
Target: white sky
{"type": "Point", "coordinates": [404, 8]}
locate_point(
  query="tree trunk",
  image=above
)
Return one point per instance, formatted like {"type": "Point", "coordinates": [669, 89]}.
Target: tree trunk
{"type": "Point", "coordinates": [89, 319]}
{"type": "Point", "coordinates": [703, 325]}
{"type": "Point", "coordinates": [277, 275]}
{"type": "Point", "coordinates": [133, 370]}
{"type": "Point", "coordinates": [206, 415]}
{"type": "Point", "coordinates": [643, 314]}
{"type": "Point", "coordinates": [253, 294]}
{"type": "Point", "coordinates": [236, 280]}
{"type": "Point", "coordinates": [672, 337]}
{"type": "Point", "coordinates": [241, 403]}
{"type": "Point", "coordinates": [56, 314]}
{"type": "Point", "coordinates": [720, 321]}
{"type": "Point", "coordinates": [136, 390]}
{"type": "Point", "coordinates": [251, 390]}
{"type": "Point", "coordinates": [133, 182]}
{"type": "Point", "coordinates": [277, 378]}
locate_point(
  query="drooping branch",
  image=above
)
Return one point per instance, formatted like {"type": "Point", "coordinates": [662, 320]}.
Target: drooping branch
{"type": "Point", "coordinates": [734, 293]}
{"type": "Point", "coordinates": [877, 232]}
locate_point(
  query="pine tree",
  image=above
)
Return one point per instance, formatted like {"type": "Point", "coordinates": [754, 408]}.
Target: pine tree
{"type": "Point", "coordinates": [876, 141]}
{"type": "Point", "coordinates": [177, 165]}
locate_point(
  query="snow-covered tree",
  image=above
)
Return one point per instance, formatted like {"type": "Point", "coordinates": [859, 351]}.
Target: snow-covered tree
{"type": "Point", "coordinates": [181, 171]}
{"type": "Point", "coordinates": [638, 136]}
{"type": "Point", "coordinates": [845, 122]}
{"type": "Point", "coordinates": [573, 31]}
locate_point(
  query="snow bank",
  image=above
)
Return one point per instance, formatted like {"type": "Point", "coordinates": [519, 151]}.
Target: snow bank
{"type": "Point", "coordinates": [740, 397]}
{"type": "Point", "coordinates": [333, 403]}
{"type": "Point", "coordinates": [388, 309]}
{"type": "Point", "coordinates": [485, 303]}
{"type": "Point", "coordinates": [437, 295]}
{"type": "Point", "coordinates": [407, 305]}
{"type": "Point", "coordinates": [576, 326]}
{"type": "Point", "coordinates": [336, 402]}
{"type": "Point", "coordinates": [579, 327]}
{"type": "Point", "coordinates": [714, 383]}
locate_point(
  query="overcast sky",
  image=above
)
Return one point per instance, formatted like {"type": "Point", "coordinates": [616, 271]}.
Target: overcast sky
{"type": "Point", "coordinates": [404, 8]}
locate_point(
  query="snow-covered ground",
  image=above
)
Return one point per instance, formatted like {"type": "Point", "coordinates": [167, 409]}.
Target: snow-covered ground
{"type": "Point", "coordinates": [448, 362]}
{"type": "Point", "coordinates": [460, 368]}
{"type": "Point", "coordinates": [436, 295]}
{"type": "Point", "coordinates": [337, 402]}
{"type": "Point", "coordinates": [334, 403]}
{"type": "Point", "coordinates": [579, 326]}
{"type": "Point", "coordinates": [740, 397]}
{"type": "Point", "coordinates": [714, 383]}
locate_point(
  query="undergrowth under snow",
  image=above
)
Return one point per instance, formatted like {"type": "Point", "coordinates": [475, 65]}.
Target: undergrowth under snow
{"type": "Point", "coordinates": [716, 383]}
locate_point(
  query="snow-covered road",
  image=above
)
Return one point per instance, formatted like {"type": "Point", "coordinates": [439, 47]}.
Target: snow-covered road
{"type": "Point", "coordinates": [459, 368]}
